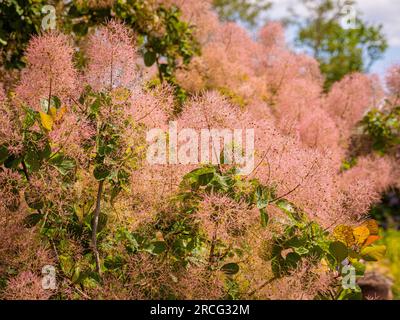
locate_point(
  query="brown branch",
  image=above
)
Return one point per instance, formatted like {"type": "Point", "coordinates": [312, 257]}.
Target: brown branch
{"type": "Point", "coordinates": [25, 170]}
{"type": "Point", "coordinates": [295, 188]}
{"type": "Point", "coordinates": [262, 286]}
{"type": "Point", "coordinates": [49, 101]}
{"type": "Point", "coordinates": [95, 225]}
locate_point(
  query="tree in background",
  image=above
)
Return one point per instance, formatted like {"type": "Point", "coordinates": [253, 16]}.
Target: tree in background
{"type": "Point", "coordinates": [339, 51]}
{"type": "Point", "coordinates": [246, 11]}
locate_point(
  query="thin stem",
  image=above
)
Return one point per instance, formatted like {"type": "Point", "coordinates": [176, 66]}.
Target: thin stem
{"type": "Point", "coordinates": [295, 188]}
{"type": "Point", "coordinates": [213, 241]}
{"type": "Point", "coordinates": [95, 225]}
{"type": "Point", "coordinates": [49, 101]}
{"type": "Point", "coordinates": [262, 286]}
{"type": "Point", "coordinates": [25, 170]}
{"type": "Point", "coordinates": [159, 71]}
{"type": "Point", "coordinates": [28, 179]}
{"type": "Point", "coordinates": [111, 70]}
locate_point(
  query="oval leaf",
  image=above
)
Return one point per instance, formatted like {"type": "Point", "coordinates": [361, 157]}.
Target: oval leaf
{"type": "Point", "coordinates": [46, 120]}
{"type": "Point", "coordinates": [373, 253]}
{"type": "Point", "coordinates": [149, 58]}
{"type": "Point", "coordinates": [230, 268]}
{"type": "Point", "coordinates": [338, 250]}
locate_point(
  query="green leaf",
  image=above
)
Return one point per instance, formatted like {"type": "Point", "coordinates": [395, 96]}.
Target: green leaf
{"type": "Point", "coordinates": [12, 162]}
{"type": "Point", "coordinates": [301, 251]}
{"type": "Point", "coordinates": [159, 247]}
{"type": "Point", "coordinates": [264, 217]}
{"type": "Point", "coordinates": [30, 118]}
{"type": "Point", "coordinates": [262, 197]}
{"type": "Point", "coordinates": [62, 164]}
{"type": "Point", "coordinates": [291, 260]}
{"type": "Point", "coordinates": [149, 58]}
{"type": "Point", "coordinates": [338, 250]}
{"type": "Point", "coordinates": [76, 277]}
{"type": "Point", "coordinates": [289, 208]}
{"type": "Point", "coordinates": [113, 263]}
{"type": "Point", "coordinates": [32, 160]}
{"type": "Point", "coordinates": [3, 154]}
{"type": "Point", "coordinates": [348, 294]}
{"type": "Point", "coordinates": [295, 242]}
{"type": "Point", "coordinates": [101, 172]}
{"type": "Point", "coordinates": [155, 247]}
{"type": "Point", "coordinates": [66, 264]}
{"type": "Point", "coordinates": [45, 153]}
{"type": "Point", "coordinates": [32, 220]}
{"type": "Point", "coordinates": [56, 101]}
{"type": "Point", "coordinates": [219, 182]}
{"type": "Point", "coordinates": [33, 199]}
{"type": "Point", "coordinates": [103, 218]}
{"type": "Point", "coordinates": [373, 253]}
{"type": "Point", "coordinates": [198, 177]}
{"type": "Point", "coordinates": [230, 268]}
{"type": "Point", "coordinates": [360, 267]}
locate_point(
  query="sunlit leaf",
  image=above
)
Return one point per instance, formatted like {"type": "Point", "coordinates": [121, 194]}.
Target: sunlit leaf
{"type": "Point", "coordinates": [370, 240]}
{"type": "Point", "coordinates": [361, 234]}
{"type": "Point", "coordinates": [264, 217]}
{"type": "Point", "coordinates": [373, 253]}
{"type": "Point", "coordinates": [46, 120]}
{"type": "Point", "coordinates": [372, 226]}
{"type": "Point", "coordinates": [344, 234]}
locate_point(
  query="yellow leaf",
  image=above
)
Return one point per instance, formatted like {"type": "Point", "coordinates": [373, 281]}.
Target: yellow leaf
{"type": "Point", "coordinates": [344, 234]}
{"type": "Point", "coordinates": [373, 253]}
{"type": "Point", "coordinates": [60, 113]}
{"type": "Point", "coordinates": [79, 213]}
{"type": "Point", "coordinates": [53, 112]}
{"type": "Point", "coordinates": [323, 267]}
{"type": "Point", "coordinates": [372, 226]}
{"type": "Point", "coordinates": [361, 234]}
{"type": "Point", "coordinates": [47, 121]}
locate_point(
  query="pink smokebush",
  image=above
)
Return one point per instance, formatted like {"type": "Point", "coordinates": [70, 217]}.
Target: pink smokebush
{"type": "Point", "coordinates": [302, 136]}
{"type": "Point", "coordinates": [111, 57]}
{"type": "Point", "coordinates": [49, 71]}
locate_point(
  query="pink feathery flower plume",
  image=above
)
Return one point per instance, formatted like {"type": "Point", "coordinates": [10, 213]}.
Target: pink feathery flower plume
{"type": "Point", "coordinates": [350, 98]}
{"type": "Point", "coordinates": [272, 35]}
{"type": "Point", "coordinates": [112, 58]}
{"type": "Point", "coordinates": [2, 95]}
{"type": "Point", "coordinates": [49, 71]}
{"type": "Point", "coordinates": [393, 80]}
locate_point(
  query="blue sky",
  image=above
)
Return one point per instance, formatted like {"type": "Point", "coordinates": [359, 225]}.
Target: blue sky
{"type": "Point", "coordinates": [385, 12]}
